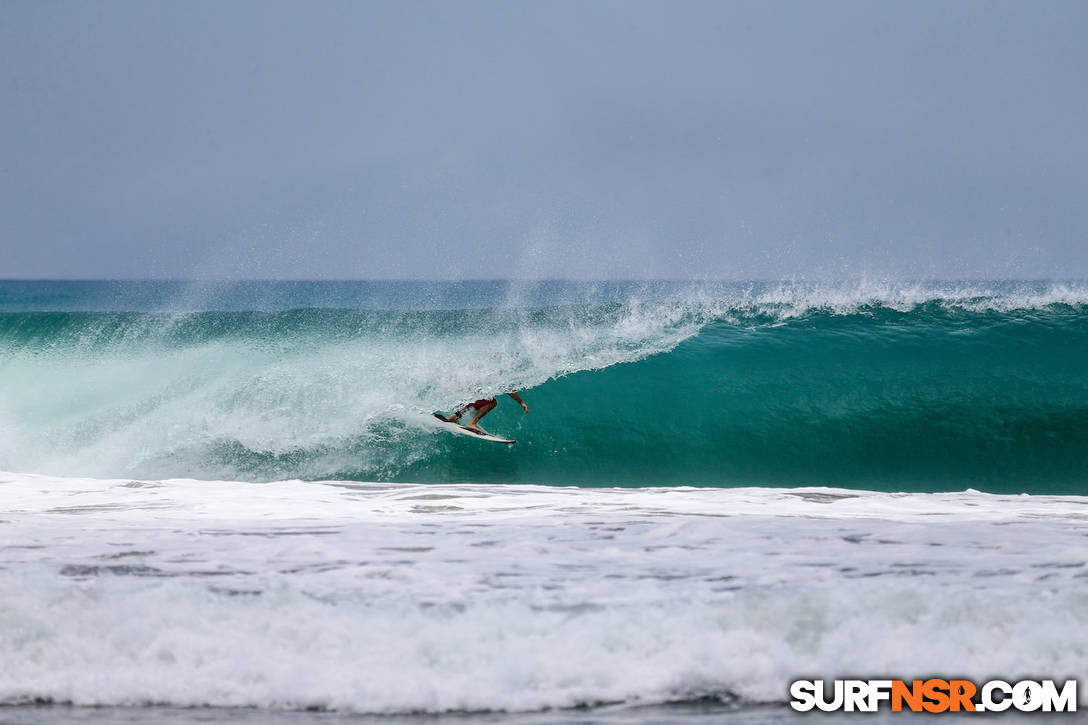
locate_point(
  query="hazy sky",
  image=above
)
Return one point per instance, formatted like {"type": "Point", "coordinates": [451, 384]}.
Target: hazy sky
{"type": "Point", "coordinates": [543, 139]}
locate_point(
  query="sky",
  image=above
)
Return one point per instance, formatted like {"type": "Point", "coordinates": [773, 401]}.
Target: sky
{"type": "Point", "coordinates": [578, 140]}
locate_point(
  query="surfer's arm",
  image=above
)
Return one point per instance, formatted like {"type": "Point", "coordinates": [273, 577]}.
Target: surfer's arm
{"type": "Point", "coordinates": [517, 397]}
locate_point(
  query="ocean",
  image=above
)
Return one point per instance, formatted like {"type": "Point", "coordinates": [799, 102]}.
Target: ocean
{"type": "Point", "coordinates": [230, 501]}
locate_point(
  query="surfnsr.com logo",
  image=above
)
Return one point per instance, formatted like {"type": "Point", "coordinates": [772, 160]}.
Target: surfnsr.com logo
{"type": "Point", "coordinates": [933, 695]}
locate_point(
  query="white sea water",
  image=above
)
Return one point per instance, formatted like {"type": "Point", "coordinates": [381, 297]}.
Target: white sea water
{"type": "Point", "coordinates": [377, 598]}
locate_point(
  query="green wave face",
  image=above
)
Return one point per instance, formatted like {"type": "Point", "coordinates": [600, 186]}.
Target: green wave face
{"type": "Point", "coordinates": [918, 401]}
{"type": "Point", "coordinates": [921, 391]}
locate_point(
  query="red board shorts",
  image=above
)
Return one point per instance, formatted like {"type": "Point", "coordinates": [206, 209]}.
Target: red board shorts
{"type": "Point", "coordinates": [482, 402]}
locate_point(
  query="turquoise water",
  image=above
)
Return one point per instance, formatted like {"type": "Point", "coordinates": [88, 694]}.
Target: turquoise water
{"type": "Point", "coordinates": [910, 386]}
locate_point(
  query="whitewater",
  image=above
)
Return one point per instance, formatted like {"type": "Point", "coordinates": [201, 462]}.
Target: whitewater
{"type": "Point", "coordinates": [233, 496]}
{"type": "Point", "coordinates": [407, 598]}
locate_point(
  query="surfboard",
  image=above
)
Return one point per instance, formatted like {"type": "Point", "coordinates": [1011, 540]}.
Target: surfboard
{"type": "Point", "coordinates": [458, 428]}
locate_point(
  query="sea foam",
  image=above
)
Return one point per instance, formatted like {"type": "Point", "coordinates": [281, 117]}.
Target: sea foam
{"type": "Point", "coordinates": [412, 598]}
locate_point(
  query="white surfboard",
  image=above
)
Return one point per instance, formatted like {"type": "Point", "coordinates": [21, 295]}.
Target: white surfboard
{"type": "Point", "coordinates": [458, 428]}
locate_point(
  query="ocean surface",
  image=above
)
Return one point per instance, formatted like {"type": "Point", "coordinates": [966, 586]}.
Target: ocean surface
{"type": "Point", "coordinates": [919, 387]}
{"type": "Point", "coordinates": [229, 502]}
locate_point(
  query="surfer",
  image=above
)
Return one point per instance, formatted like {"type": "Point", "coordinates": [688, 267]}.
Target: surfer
{"type": "Point", "coordinates": [482, 407]}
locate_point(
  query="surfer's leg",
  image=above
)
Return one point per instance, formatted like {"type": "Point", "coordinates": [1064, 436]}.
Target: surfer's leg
{"type": "Point", "coordinates": [456, 415]}
{"type": "Point", "coordinates": [480, 413]}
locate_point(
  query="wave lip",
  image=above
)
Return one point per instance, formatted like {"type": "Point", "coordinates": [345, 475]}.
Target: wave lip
{"type": "Point", "coordinates": [385, 598]}
{"type": "Point", "coordinates": [798, 298]}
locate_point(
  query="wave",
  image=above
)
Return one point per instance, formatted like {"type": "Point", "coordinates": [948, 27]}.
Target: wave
{"type": "Point", "coordinates": [908, 387]}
